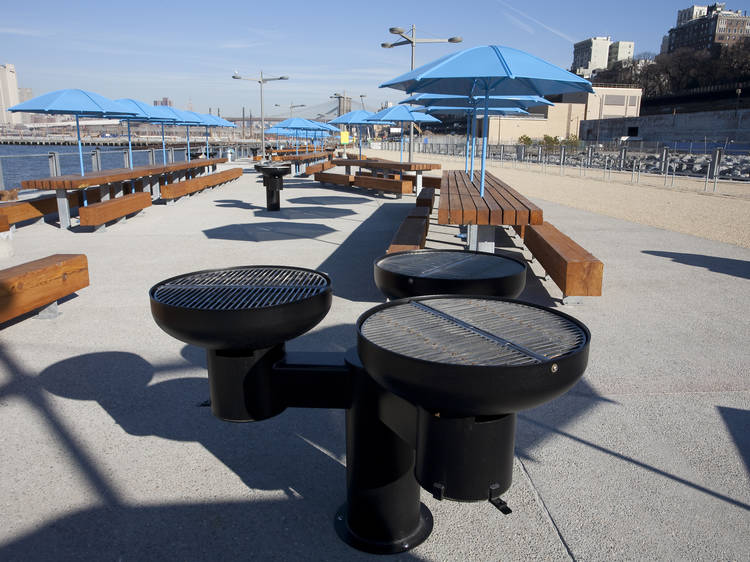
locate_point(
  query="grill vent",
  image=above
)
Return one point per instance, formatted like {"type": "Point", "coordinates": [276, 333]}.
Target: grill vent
{"type": "Point", "coordinates": [470, 331]}
{"type": "Point", "coordinates": [243, 288]}
{"type": "Point", "coordinates": [449, 265]}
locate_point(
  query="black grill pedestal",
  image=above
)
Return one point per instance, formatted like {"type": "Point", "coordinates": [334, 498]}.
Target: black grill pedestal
{"type": "Point", "coordinates": [431, 391]}
{"type": "Point", "coordinates": [273, 179]}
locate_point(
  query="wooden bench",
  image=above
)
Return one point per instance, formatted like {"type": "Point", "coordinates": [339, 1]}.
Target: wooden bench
{"type": "Point", "coordinates": [173, 191]}
{"type": "Point", "coordinates": [431, 181]}
{"type": "Point", "coordinates": [99, 214]}
{"type": "Point", "coordinates": [383, 184]}
{"type": "Point", "coordinates": [4, 224]}
{"type": "Point", "coordinates": [411, 235]}
{"type": "Point", "coordinates": [40, 283]}
{"type": "Point", "coordinates": [426, 198]}
{"type": "Point", "coordinates": [576, 271]}
{"type": "Point", "coordinates": [337, 179]}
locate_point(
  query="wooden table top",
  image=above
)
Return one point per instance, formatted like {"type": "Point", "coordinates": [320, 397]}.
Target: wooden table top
{"type": "Point", "coordinates": [374, 164]}
{"type": "Point", "coordinates": [304, 156]}
{"type": "Point", "coordinates": [75, 181]}
{"type": "Point", "coordinates": [460, 202]}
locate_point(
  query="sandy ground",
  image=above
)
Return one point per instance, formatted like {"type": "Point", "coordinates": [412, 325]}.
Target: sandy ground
{"type": "Point", "coordinates": [724, 218]}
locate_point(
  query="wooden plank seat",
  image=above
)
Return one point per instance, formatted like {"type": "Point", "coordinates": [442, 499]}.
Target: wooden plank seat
{"type": "Point", "coordinates": [576, 271]}
{"type": "Point", "coordinates": [39, 283]}
{"type": "Point", "coordinates": [426, 198]}
{"type": "Point", "coordinates": [411, 235]}
{"type": "Point", "coordinates": [313, 169]}
{"type": "Point", "coordinates": [171, 191]}
{"type": "Point", "coordinates": [431, 181]}
{"type": "Point", "coordinates": [337, 179]}
{"type": "Point", "coordinates": [383, 184]}
{"type": "Point", "coordinates": [4, 224]}
{"type": "Point", "coordinates": [99, 214]}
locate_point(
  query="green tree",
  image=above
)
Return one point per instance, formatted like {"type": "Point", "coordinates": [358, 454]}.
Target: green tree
{"type": "Point", "coordinates": [550, 142]}
{"type": "Point", "coordinates": [525, 140]}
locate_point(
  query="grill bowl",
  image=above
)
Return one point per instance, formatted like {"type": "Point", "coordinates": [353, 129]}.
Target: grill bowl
{"type": "Point", "coordinates": [450, 353]}
{"type": "Point", "coordinates": [457, 272]}
{"type": "Point", "coordinates": [241, 308]}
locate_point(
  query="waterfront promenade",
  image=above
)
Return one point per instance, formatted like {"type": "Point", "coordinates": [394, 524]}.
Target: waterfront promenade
{"type": "Point", "coordinates": [108, 451]}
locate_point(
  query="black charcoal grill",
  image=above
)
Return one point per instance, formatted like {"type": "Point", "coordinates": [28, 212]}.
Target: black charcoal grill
{"type": "Point", "coordinates": [438, 272]}
{"type": "Point", "coordinates": [430, 393]}
{"type": "Point", "coordinates": [273, 179]}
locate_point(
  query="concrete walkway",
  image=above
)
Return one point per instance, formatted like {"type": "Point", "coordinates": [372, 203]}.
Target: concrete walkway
{"type": "Point", "coordinates": [109, 454]}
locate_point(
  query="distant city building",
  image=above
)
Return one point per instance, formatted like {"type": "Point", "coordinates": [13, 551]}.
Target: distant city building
{"type": "Point", "coordinates": [706, 28]}
{"type": "Point", "coordinates": [164, 101]}
{"type": "Point", "coordinates": [620, 50]}
{"type": "Point", "coordinates": [590, 54]}
{"type": "Point", "coordinates": [8, 95]}
{"type": "Point", "coordinates": [25, 94]}
{"type": "Point", "coordinates": [565, 117]}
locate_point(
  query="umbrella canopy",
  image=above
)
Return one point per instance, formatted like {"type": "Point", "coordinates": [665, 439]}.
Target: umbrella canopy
{"type": "Point", "coordinates": [403, 114]}
{"type": "Point", "coordinates": [490, 70]}
{"type": "Point", "coordinates": [356, 117]}
{"type": "Point", "coordinates": [429, 100]}
{"type": "Point", "coordinates": [453, 110]}
{"type": "Point", "coordinates": [328, 127]}
{"type": "Point", "coordinates": [73, 102]}
{"type": "Point", "coordinates": [80, 103]}
{"type": "Point", "coordinates": [300, 124]}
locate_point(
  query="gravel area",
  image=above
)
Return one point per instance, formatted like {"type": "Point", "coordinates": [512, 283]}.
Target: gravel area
{"type": "Point", "coordinates": [724, 218]}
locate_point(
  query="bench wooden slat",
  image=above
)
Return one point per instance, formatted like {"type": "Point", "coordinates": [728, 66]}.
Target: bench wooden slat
{"type": "Point", "coordinates": [338, 179]}
{"type": "Point", "coordinates": [575, 270]}
{"type": "Point", "coordinates": [107, 211]}
{"type": "Point", "coordinates": [426, 198]}
{"type": "Point", "coordinates": [4, 224]}
{"type": "Point", "coordinates": [411, 235]}
{"type": "Point", "coordinates": [35, 284]}
{"type": "Point", "coordinates": [431, 181]}
{"type": "Point", "coordinates": [383, 184]}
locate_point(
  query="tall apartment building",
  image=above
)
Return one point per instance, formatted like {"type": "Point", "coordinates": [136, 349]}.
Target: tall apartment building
{"type": "Point", "coordinates": [590, 54]}
{"type": "Point", "coordinates": [706, 28]}
{"type": "Point", "coordinates": [164, 101]}
{"type": "Point", "coordinates": [620, 50]}
{"type": "Point", "coordinates": [8, 95]}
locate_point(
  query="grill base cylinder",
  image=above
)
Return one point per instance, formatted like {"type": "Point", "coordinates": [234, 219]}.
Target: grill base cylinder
{"type": "Point", "coordinates": [460, 458]}
{"type": "Point", "coordinates": [241, 384]}
{"type": "Point", "coordinates": [383, 514]}
{"type": "Point", "coordinates": [273, 199]}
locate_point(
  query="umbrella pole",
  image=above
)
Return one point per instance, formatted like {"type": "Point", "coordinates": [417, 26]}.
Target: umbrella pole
{"type": "Point", "coordinates": [485, 130]}
{"type": "Point", "coordinates": [80, 148]}
{"type": "Point", "coordinates": [163, 146]}
{"type": "Point", "coordinates": [473, 141]}
{"type": "Point", "coordinates": [359, 134]}
{"type": "Point", "coordinates": [130, 147]}
{"type": "Point", "coordinates": [206, 141]}
{"type": "Point", "coordinates": [187, 156]}
{"type": "Point", "coordinates": [466, 152]}
{"type": "Point", "coordinates": [402, 142]}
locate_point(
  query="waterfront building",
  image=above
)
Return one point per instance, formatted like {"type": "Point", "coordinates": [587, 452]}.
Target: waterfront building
{"type": "Point", "coordinates": [164, 101]}
{"type": "Point", "coordinates": [590, 54]}
{"type": "Point", "coordinates": [564, 118]}
{"type": "Point", "coordinates": [708, 28]}
{"type": "Point", "coordinates": [620, 50]}
{"type": "Point", "coordinates": [8, 95]}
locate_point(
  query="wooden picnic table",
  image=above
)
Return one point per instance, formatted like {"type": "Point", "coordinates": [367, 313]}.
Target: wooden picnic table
{"type": "Point", "coordinates": [62, 184]}
{"type": "Point", "coordinates": [387, 165]}
{"type": "Point", "coordinates": [460, 203]}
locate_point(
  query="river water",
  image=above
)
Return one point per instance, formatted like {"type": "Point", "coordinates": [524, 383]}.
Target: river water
{"type": "Point", "coordinates": [25, 162]}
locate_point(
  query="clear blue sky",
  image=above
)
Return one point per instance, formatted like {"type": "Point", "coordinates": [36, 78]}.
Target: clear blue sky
{"type": "Point", "coordinates": [188, 50]}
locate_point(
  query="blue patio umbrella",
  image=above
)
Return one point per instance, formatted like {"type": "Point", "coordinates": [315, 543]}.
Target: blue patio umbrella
{"type": "Point", "coordinates": [450, 100]}
{"type": "Point", "coordinates": [490, 70]}
{"type": "Point", "coordinates": [79, 103]}
{"type": "Point", "coordinates": [143, 113]}
{"type": "Point", "coordinates": [165, 117]}
{"type": "Point", "coordinates": [299, 124]}
{"type": "Point", "coordinates": [401, 114]}
{"type": "Point", "coordinates": [357, 117]}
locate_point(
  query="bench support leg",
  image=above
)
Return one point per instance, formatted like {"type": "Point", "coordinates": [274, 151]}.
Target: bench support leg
{"type": "Point", "coordinates": [572, 300]}
{"type": "Point", "coordinates": [481, 238]}
{"type": "Point", "coordinates": [63, 209]}
{"type": "Point", "coordinates": [48, 312]}
{"type": "Point", "coordinates": [100, 228]}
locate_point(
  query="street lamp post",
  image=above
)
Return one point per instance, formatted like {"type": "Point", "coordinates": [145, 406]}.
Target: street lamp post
{"type": "Point", "coordinates": [412, 40]}
{"type": "Point", "coordinates": [362, 99]}
{"type": "Point", "coordinates": [261, 80]}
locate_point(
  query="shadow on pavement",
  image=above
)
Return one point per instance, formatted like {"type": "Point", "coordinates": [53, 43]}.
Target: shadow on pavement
{"type": "Point", "coordinates": [727, 266]}
{"type": "Point", "coordinates": [268, 231]}
{"type": "Point", "coordinates": [328, 200]}
{"type": "Point", "coordinates": [738, 424]}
